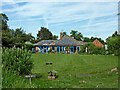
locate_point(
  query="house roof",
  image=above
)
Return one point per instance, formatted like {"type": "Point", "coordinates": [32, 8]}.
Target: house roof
{"type": "Point", "coordinates": [45, 42]}
{"type": "Point", "coordinates": [64, 41]}
{"type": "Point", "coordinates": [98, 43]}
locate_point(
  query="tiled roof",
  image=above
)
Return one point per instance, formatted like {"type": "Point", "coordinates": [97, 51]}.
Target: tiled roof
{"type": "Point", "coordinates": [98, 43]}
{"type": "Point", "coordinates": [64, 41]}
{"type": "Point", "coordinates": [45, 42]}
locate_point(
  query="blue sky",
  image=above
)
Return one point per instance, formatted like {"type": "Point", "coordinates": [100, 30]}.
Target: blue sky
{"type": "Point", "coordinates": [90, 18]}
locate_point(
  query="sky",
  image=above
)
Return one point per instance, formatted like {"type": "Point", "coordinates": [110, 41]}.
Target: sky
{"type": "Point", "coordinates": [97, 18]}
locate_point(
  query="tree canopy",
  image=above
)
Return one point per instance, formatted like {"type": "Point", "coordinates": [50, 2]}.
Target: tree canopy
{"type": "Point", "coordinates": [113, 44]}
{"type": "Point", "coordinates": [11, 37]}
{"type": "Point", "coordinates": [76, 35]}
{"type": "Point", "coordinates": [45, 34]}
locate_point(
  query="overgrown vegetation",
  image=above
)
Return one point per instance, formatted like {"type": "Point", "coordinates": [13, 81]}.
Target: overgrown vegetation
{"type": "Point", "coordinates": [90, 48]}
{"type": "Point", "coordinates": [113, 44]}
{"type": "Point", "coordinates": [17, 60]}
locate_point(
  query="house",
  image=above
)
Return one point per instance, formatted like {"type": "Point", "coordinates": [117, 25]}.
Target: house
{"type": "Point", "coordinates": [98, 43]}
{"type": "Point", "coordinates": [65, 44]}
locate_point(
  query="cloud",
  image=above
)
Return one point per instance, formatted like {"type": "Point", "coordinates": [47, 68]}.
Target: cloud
{"type": "Point", "coordinates": [63, 13]}
{"type": "Point", "coordinates": [60, 1]}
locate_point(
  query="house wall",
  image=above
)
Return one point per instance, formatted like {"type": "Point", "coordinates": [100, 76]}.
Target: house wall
{"type": "Point", "coordinates": [59, 49]}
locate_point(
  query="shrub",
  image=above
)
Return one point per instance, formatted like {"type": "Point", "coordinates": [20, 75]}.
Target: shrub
{"type": "Point", "coordinates": [113, 45]}
{"type": "Point", "coordinates": [49, 51]}
{"type": "Point", "coordinates": [99, 50]}
{"type": "Point", "coordinates": [92, 49]}
{"type": "Point", "coordinates": [53, 51]}
{"type": "Point", "coordinates": [89, 46]}
{"type": "Point", "coordinates": [17, 60]}
{"type": "Point", "coordinates": [28, 46]}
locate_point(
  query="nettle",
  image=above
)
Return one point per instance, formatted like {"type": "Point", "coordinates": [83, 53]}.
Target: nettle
{"type": "Point", "coordinates": [17, 60]}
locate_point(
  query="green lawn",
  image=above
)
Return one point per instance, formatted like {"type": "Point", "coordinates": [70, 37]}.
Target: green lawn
{"type": "Point", "coordinates": [67, 67]}
{"type": "Point", "coordinates": [70, 65]}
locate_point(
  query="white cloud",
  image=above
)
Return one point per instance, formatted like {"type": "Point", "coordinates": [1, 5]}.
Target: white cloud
{"type": "Point", "coordinates": [60, 1]}
{"type": "Point", "coordinates": [55, 13]}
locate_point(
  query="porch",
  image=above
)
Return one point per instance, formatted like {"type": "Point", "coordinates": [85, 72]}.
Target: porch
{"type": "Point", "coordinates": [57, 49]}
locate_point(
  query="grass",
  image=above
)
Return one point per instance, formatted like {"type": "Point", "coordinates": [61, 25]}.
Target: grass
{"type": "Point", "coordinates": [67, 67]}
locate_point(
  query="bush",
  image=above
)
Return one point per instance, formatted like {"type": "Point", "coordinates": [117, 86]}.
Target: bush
{"type": "Point", "coordinates": [25, 46]}
{"type": "Point", "coordinates": [49, 51]}
{"type": "Point", "coordinates": [92, 49]}
{"type": "Point", "coordinates": [113, 45]}
{"type": "Point", "coordinates": [28, 46]}
{"type": "Point", "coordinates": [17, 60]}
{"type": "Point", "coordinates": [89, 46]}
{"type": "Point", "coordinates": [99, 50]}
{"type": "Point", "coordinates": [53, 51]}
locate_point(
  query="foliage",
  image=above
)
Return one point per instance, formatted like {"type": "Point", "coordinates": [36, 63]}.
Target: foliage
{"type": "Point", "coordinates": [17, 60]}
{"type": "Point", "coordinates": [92, 49]}
{"type": "Point", "coordinates": [64, 33]}
{"type": "Point", "coordinates": [28, 46]}
{"type": "Point", "coordinates": [76, 35]}
{"type": "Point", "coordinates": [99, 50]}
{"type": "Point", "coordinates": [49, 51]}
{"type": "Point", "coordinates": [99, 39]}
{"type": "Point", "coordinates": [4, 21]}
{"type": "Point", "coordinates": [53, 51]}
{"type": "Point", "coordinates": [44, 34]}
{"type": "Point", "coordinates": [86, 39]}
{"type": "Point", "coordinates": [55, 37]}
{"type": "Point", "coordinates": [11, 37]}
{"type": "Point", "coordinates": [113, 45]}
{"type": "Point", "coordinates": [89, 46]}
{"type": "Point", "coordinates": [68, 66]}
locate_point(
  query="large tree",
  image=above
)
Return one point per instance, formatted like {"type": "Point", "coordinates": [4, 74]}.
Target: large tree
{"type": "Point", "coordinates": [44, 34]}
{"type": "Point", "coordinates": [4, 21]}
{"type": "Point", "coordinates": [99, 39]}
{"type": "Point", "coordinates": [86, 39]}
{"type": "Point", "coordinates": [7, 38]}
{"type": "Point", "coordinates": [113, 44]}
{"type": "Point", "coordinates": [11, 37]}
{"type": "Point", "coordinates": [76, 35]}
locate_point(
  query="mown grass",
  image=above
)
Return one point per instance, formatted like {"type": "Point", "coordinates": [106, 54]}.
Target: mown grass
{"type": "Point", "coordinates": [67, 67]}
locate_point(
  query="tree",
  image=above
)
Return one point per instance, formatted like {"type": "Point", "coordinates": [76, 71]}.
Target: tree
{"type": "Point", "coordinates": [21, 37]}
{"type": "Point", "coordinates": [64, 33]}
{"type": "Point", "coordinates": [115, 34]}
{"type": "Point", "coordinates": [44, 34]}
{"type": "Point", "coordinates": [99, 39]}
{"type": "Point", "coordinates": [55, 37]}
{"type": "Point", "coordinates": [113, 44]}
{"type": "Point", "coordinates": [4, 21]}
{"type": "Point", "coordinates": [86, 39]}
{"type": "Point", "coordinates": [76, 35]}
{"type": "Point", "coordinates": [6, 32]}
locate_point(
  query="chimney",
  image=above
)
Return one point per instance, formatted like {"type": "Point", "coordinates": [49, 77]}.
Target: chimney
{"type": "Point", "coordinates": [60, 35]}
